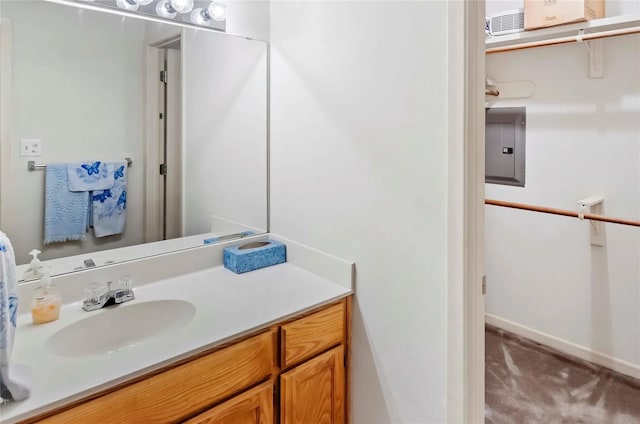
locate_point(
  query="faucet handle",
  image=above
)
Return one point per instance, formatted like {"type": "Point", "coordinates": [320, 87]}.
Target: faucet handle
{"type": "Point", "coordinates": [96, 294]}
{"type": "Point", "coordinates": [125, 284]}
{"type": "Point", "coordinates": [95, 291]}
{"type": "Point", "coordinates": [124, 293]}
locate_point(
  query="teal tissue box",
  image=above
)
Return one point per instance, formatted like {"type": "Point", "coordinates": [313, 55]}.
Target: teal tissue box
{"type": "Point", "coordinates": [254, 255]}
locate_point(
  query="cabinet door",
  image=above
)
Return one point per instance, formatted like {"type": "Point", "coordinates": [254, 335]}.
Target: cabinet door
{"type": "Point", "coordinates": [314, 391]}
{"type": "Point", "coordinates": [254, 406]}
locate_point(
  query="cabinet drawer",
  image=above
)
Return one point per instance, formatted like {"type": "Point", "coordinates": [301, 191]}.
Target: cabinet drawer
{"type": "Point", "coordinates": [313, 334]}
{"type": "Point", "coordinates": [180, 392]}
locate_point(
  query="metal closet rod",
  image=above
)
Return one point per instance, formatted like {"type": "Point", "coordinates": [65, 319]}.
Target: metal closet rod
{"type": "Point", "coordinates": [489, 91]}
{"type": "Point", "coordinates": [565, 40]}
{"type": "Point", "coordinates": [32, 166]}
{"type": "Point", "coordinates": [563, 212]}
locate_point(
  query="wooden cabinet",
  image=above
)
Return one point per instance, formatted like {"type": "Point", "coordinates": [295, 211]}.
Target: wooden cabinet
{"type": "Point", "coordinates": [173, 395]}
{"type": "Point", "coordinates": [234, 384]}
{"type": "Point", "coordinates": [254, 406]}
{"type": "Point", "coordinates": [314, 392]}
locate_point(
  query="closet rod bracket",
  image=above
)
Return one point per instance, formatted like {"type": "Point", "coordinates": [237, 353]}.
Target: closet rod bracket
{"type": "Point", "coordinates": [595, 50]}
{"type": "Point", "coordinates": [593, 205]}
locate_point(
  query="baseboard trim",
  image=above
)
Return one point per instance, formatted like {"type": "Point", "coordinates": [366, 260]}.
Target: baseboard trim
{"type": "Point", "coordinates": [564, 346]}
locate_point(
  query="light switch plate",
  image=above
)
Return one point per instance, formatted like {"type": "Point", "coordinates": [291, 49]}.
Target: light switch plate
{"type": "Point", "coordinates": [30, 147]}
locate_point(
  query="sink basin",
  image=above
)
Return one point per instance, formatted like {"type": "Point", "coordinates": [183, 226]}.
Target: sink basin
{"type": "Point", "coordinates": [120, 327]}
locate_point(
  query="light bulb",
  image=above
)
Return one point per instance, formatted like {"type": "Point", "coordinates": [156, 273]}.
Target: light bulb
{"type": "Point", "coordinates": [200, 16]}
{"type": "Point", "coordinates": [127, 5]}
{"type": "Point", "coordinates": [182, 6]}
{"type": "Point", "coordinates": [217, 11]}
{"type": "Point", "coordinates": [143, 2]}
{"type": "Point", "coordinates": [165, 10]}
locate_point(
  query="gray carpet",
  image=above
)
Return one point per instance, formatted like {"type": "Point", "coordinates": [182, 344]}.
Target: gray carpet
{"type": "Point", "coordinates": [527, 383]}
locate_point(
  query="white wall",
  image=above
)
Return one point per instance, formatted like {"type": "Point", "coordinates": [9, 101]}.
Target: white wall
{"type": "Point", "coordinates": [359, 169]}
{"type": "Point", "coordinates": [77, 86]}
{"type": "Point", "coordinates": [583, 138]}
{"type": "Point", "coordinates": [248, 18]}
{"type": "Point", "coordinates": [225, 130]}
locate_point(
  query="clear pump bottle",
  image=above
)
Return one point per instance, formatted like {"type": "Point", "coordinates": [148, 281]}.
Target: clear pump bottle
{"type": "Point", "coordinates": [46, 302]}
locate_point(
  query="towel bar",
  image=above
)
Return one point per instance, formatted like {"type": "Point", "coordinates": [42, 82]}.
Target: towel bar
{"type": "Point", "coordinates": [31, 165]}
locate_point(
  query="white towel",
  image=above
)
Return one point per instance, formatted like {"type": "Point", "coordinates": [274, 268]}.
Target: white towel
{"type": "Point", "coordinates": [13, 384]}
{"type": "Point", "coordinates": [89, 176]}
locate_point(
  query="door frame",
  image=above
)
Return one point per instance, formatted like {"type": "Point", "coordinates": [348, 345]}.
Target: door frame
{"type": "Point", "coordinates": [153, 157]}
{"type": "Point", "coordinates": [5, 112]}
{"type": "Point", "coordinates": [465, 329]}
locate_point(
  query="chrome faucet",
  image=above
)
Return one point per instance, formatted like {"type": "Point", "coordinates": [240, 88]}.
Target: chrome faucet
{"type": "Point", "coordinates": [98, 298]}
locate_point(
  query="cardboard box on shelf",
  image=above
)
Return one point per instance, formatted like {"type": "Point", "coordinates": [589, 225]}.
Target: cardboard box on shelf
{"type": "Point", "coordinates": [547, 13]}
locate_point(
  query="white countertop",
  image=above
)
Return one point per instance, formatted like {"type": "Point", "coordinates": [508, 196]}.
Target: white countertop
{"type": "Point", "coordinates": [227, 306]}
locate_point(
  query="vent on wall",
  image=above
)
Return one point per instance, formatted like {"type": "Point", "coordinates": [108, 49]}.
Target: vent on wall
{"type": "Point", "coordinates": [506, 22]}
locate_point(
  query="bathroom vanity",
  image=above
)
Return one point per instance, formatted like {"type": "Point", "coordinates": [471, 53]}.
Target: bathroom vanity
{"type": "Point", "coordinates": [292, 372]}
{"type": "Point", "coordinates": [200, 344]}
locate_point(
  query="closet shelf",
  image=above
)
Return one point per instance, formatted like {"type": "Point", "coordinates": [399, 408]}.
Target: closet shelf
{"type": "Point", "coordinates": [607, 27]}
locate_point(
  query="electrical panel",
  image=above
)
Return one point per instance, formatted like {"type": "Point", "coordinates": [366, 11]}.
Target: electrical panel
{"type": "Point", "coordinates": [505, 129]}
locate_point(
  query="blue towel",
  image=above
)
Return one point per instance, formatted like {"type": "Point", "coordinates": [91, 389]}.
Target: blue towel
{"type": "Point", "coordinates": [65, 212]}
{"type": "Point", "coordinates": [110, 206]}
{"type": "Point", "coordinates": [88, 176]}
{"type": "Point", "coordinates": [12, 381]}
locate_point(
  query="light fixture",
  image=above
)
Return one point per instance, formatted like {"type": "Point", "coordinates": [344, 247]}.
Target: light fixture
{"type": "Point", "coordinates": [200, 16]}
{"type": "Point", "coordinates": [209, 14]}
{"type": "Point", "coordinates": [217, 11]}
{"type": "Point", "coordinates": [165, 10]}
{"type": "Point", "coordinates": [170, 8]}
{"type": "Point", "coordinates": [131, 5]}
{"type": "Point", "coordinates": [182, 6]}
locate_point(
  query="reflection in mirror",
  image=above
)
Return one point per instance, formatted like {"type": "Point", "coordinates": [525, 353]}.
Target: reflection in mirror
{"type": "Point", "coordinates": [78, 87]}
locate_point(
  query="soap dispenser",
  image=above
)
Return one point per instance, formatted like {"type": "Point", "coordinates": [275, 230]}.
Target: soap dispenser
{"type": "Point", "coordinates": [45, 306]}
{"type": "Point", "coordinates": [34, 267]}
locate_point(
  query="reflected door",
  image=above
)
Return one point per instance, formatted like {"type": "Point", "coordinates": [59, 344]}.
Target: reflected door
{"type": "Point", "coordinates": [164, 221]}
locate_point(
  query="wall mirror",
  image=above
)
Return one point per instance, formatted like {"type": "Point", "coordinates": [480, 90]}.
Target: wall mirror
{"type": "Point", "coordinates": [187, 106]}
